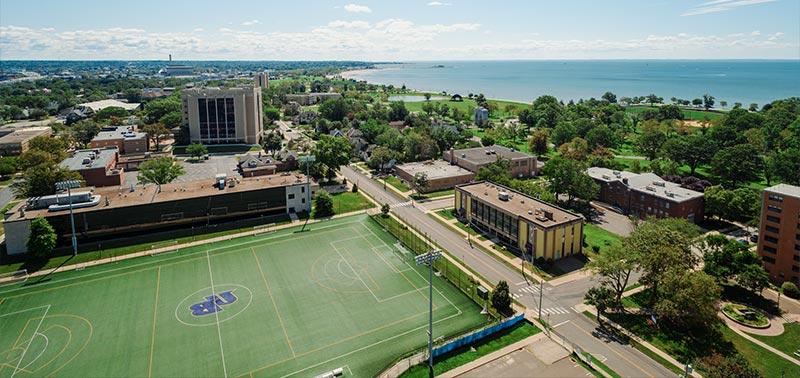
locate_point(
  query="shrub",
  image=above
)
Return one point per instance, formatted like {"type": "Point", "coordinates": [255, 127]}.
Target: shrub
{"type": "Point", "coordinates": [790, 290]}
{"type": "Point", "coordinates": [355, 188]}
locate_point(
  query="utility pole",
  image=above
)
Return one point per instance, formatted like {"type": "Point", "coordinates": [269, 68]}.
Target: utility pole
{"type": "Point", "coordinates": [428, 259]}
{"type": "Point", "coordinates": [69, 185]}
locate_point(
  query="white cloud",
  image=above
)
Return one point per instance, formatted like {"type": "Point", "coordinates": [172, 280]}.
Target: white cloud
{"type": "Point", "coordinates": [716, 6]}
{"type": "Point", "coordinates": [390, 39]}
{"type": "Point", "coordinates": [355, 8]}
{"type": "Point", "coordinates": [197, 30]}
{"type": "Point", "coordinates": [251, 23]}
{"type": "Point", "coordinates": [438, 4]}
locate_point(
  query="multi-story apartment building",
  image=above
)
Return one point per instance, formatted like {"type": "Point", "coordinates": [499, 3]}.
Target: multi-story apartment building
{"type": "Point", "coordinates": [647, 195]}
{"type": "Point", "coordinates": [473, 159]}
{"type": "Point", "coordinates": [779, 234]}
{"type": "Point", "coordinates": [519, 221]}
{"type": "Point", "coordinates": [223, 115]}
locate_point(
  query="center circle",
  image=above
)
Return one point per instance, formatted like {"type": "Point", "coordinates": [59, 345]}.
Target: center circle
{"type": "Point", "coordinates": [206, 307]}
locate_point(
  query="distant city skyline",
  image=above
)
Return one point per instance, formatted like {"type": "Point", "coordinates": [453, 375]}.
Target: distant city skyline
{"type": "Point", "coordinates": [401, 31]}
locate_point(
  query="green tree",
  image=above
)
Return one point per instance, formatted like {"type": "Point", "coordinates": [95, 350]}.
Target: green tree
{"type": "Point", "coordinates": [537, 143]}
{"type": "Point", "coordinates": [567, 176]}
{"type": "Point", "coordinates": [615, 265]}
{"type": "Point", "coordinates": [111, 111]}
{"type": "Point", "coordinates": [40, 180]}
{"type": "Point", "coordinates": [397, 111]}
{"type": "Point", "coordinates": [156, 109]}
{"type": "Point", "coordinates": [501, 299]}
{"type": "Point", "coordinates": [332, 152]}
{"type": "Point", "coordinates": [610, 97]}
{"type": "Point", "coordinates": [692, 150]}
{"type": "Point", "coordinates": [334, 109]}
{"type": "Point", "coordinates": [271, 115]}
{"type": "Point", "coordinates": [171, 120]}
{"type": "Point", "coordinates": [272, 141]}
{"type": "Point", "coordinates": [56, 147]}
{"type": "Point", "coordinates": [488, 140]}
{"type": "Point", "coordinates": [563, 133]}
{"type": "Point", "coordinates": [196, 150]}
{"type": "Point", "coordinates": [733, 365]}
{"type": "Point", "coordinates": [790, 290]}
{"type": "Point", "coordinates": [84, 131]}
{"type": "Point", "coordinates": [740, 163]}
{"type": "Point", "coordinates": [156, 132]}
{"type": "Point", "coordinates": [497, 172]}
{"type": "Point", "coordinates": [602, 136]}
{"type": "Point", "coordinates": [708, 101]}
{"type": "Point", "coordinates": [42, 238]}
{"type": "Point", "coordinates": [650, 141]}
{"type": "Point", "coordinates": [385, 210]}
{"type": "Point", "coordinates": [323, 204]}
{"type": "Point", "coordinates": [382, 156]}
{"type": "Point", "coordinates": [602, 298]}
{"type": "Point", "coordinates": [8, 165]}
{"type": "Point", "coordinates": [159, 171]}
{"type": "Point", "coordinates": [420, 182]}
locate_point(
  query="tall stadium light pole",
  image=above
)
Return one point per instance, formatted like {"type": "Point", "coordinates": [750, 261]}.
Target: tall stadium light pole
{"type": "Point", "coordinates": [69, 185]}
{"type": "Point", "coordinates": [428, 259]}
{"type": "Point", "coordinates": [308, 159]}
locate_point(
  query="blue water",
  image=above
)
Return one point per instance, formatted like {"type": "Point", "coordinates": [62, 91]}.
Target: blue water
{"type": "Point", "coordinates": [744, 81]}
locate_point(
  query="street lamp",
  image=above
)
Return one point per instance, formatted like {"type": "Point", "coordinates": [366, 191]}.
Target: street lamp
{"type": "Point", "coordinates": [428, 259]}
{"type": "Point", "coordinates": [69, 185]}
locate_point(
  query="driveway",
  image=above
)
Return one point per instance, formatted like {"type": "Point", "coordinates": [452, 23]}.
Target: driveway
{"type": "Point", "coordinates": [610, 220]}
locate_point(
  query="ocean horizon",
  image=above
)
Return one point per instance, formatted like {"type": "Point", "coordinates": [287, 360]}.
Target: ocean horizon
{"type": "Point", "coordinates": [732, 80]}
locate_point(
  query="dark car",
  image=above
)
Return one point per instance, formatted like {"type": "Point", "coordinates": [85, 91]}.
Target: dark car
{"type": "Point", "coordinates": [754, 238]}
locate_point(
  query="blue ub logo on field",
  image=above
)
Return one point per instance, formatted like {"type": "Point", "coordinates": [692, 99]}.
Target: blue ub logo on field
{"type": "Point", "coordinates": [213, 303]}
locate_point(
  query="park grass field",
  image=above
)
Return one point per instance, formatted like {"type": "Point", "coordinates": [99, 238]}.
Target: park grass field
{"type": "Point", "coordinates": [345, 294]}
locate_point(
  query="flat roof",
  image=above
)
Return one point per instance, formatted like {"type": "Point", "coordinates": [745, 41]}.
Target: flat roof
{"type": "Point", "coordinates": [98, 158]}
{"type": "Point", "coordinates": [526, 207]}
{"type": "Point", "coordinates": [435, 169]}
{"type": "Point", "coordinates": [21, 135]}
{"type": "Point", "coordinates": [785, 189]}
{"type": "Point", "coordinates": [486, 155]}
{"type": "Point", "coordinates": [121, 196]}
{"type": "Point", "coordinates": [102, 104]}
{"type": "Point", "coordinates": [118, 133]}
{"type": "Point", "coordinates": [648, 183]}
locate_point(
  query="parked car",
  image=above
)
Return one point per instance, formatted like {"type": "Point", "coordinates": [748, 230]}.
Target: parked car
{"type": "Point", "coordinates": [754, 238]}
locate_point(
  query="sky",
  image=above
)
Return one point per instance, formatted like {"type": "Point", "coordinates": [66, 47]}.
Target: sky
{"type": "Point", "coordinates": [406, 30]}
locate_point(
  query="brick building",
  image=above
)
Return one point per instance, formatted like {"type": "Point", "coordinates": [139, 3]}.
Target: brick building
{"type": "Point", "coordinates": [98, 166]}
{"type": "Point", "coordinates": [261, 165]}
{"type": "Point", "coordinates": [125, 138]}
{"type": "Point", "coordinates": [473, 159]}
{"type": "Point", "coordinates": [646, 194]}
{"type": "Point", "coordinates": [15, 141]}
{"type": "Point", "coordinates": [441, 174]}
{"type": "Point", "coordinates": [779, 233]}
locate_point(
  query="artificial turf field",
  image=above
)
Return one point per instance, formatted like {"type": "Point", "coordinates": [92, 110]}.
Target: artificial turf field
{"type": "Point", "coordinates": [344, 294]}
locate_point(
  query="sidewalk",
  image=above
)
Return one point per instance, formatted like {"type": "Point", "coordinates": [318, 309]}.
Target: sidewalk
{"type": "Point", "coordinates": [732, 325]}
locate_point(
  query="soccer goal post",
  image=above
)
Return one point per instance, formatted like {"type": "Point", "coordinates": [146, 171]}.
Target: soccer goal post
{"type": "Point", "coordinates": [13, 277]}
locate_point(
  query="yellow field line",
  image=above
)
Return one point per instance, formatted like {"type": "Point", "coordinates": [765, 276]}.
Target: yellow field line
{"type": "Point", "coordinates": [153, 333]}
{"type": "Point", "coordinates": [275, 305]}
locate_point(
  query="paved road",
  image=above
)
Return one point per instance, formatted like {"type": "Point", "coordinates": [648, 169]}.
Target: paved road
{"type": "Point", "coordinates": [556, 304]}
{"type": "Point", "coordinates": [6, 195]}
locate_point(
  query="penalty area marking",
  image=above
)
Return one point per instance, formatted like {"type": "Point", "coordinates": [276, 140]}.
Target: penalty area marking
{"type": "Point", "coordinates": [36, 331]}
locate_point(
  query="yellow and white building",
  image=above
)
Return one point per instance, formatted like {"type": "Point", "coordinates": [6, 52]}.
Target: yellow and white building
{"type": "Point", "coordinates": [522, 222]}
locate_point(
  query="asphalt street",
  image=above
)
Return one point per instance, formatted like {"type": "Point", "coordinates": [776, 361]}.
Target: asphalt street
{"type": "Point", "coordinates": [557, 302]}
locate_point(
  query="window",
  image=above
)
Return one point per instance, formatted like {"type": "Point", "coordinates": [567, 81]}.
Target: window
{"type": "Point", "coordinates": [776, 198]}
{"type": "Point", "coordinates": [302, 200]}
{"type": "Point", "coordinates": [774, 209]}
{"type": "Point", "coordinates": [291, 196]}
{"type": "Point", "coordinates": [768, 259]}
{"type": "Point", "coordinates": [771, 239]}
{"type": "Point", "coordinates": [795, 268]}
{"type": "Point", "coordinates": [797, 247]}
{"type": "Point", "coordinates": [302, 189]}
{"type": "Point", "coordinates": [773, 219]}
{"type": "Point", "coordinates": [772, 229]}
{"type": "Point", "coordinates": [796, 257]}
{"type": "Point", "coordinates": [770, 249]}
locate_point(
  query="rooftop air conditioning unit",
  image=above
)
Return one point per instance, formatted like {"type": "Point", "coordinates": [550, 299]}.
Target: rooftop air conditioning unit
{"type": "Point", "coordinates": [650, 188]}
{"type": "Point", "coordinates": [659, 183]}
{"type": "Point", "coordinates": [607, 177]}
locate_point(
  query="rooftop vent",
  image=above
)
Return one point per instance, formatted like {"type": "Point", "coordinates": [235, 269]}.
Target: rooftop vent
{"type": "Point", "coordinates": [659, 183]}
{"type": "Point", "coordinates": [650, 188]}
{"type": "Point", "coordinates": [670, 194]}
{"type": "Point", "coordinates": [487, 152]}
{"type": "Point", "coordinates": [616, 173]}
{"type": "Point", "coordinates": [607, 177]}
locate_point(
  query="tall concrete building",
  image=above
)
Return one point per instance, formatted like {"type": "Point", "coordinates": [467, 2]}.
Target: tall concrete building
{"type": "Point", "coordinates": [779, 234]}
{"type": "Point", "coordinates": [261, 80]}
{"type": "Point", "coordinates": [223, 115]}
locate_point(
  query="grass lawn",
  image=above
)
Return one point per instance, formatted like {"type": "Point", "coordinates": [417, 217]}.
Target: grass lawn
{"type": "Point", "coordinates": [637, 300]}
{"type": "Point", "coordinates": [348, 201]}
{"type": "Point", "coordinates": [397, 183]}
{"type": "Point", "coordinates": [788, 342]}
{"type": "Point", "coordinates": [436, 194]}
{"type": "Point", "coordinates": [768, 363]}
{"type": "Point", "coordinates": [597, 237]}
{"type": "Point", "coordinates": [213, 310]}
{"type": "Point", "coordinates": [468, 354]}
{"type": "Point", "coordinates": [468, 106]}
{"type": "Point", "coordinates": [447, 213]}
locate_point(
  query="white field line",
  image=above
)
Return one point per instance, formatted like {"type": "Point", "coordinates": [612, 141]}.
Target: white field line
{"type": "Point", "coordinates": [355, 272]}
{"type": "Point", "coordinates": [25, 310]}
{"type": "Point", "coordinates": [25, 351]}
{"type": "Point", "coordinates": [216, 314]}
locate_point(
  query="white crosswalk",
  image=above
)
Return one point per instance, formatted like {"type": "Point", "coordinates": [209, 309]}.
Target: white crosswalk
{"type": "Point", "coordinates": [555, 310]}
{"type": "Point", "coordinates": [401, 204]}
{"type": "Point", "coordinates": [529, 290]}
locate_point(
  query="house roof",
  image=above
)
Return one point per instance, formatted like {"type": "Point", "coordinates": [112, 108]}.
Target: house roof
{"type": "Point", "coordinates": [486, 155]}
{"type": "Point", "coordinates": [121, 132]}
{"type": "Point", "coordinates": [647, 183]}
{"type": "Point", "coordinates": [90, 159]}
{"type": "Point", "coordinates": [531, 209]}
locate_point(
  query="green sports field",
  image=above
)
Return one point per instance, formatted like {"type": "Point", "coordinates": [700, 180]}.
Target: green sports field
{"type": "Point", "coordinates": [344, 294]}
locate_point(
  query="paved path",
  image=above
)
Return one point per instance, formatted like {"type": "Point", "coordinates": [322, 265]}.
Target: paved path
{"type": "Point", "coordinates": [624, 359]}
{"type": "Point", "coordinates": [732, 325]}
